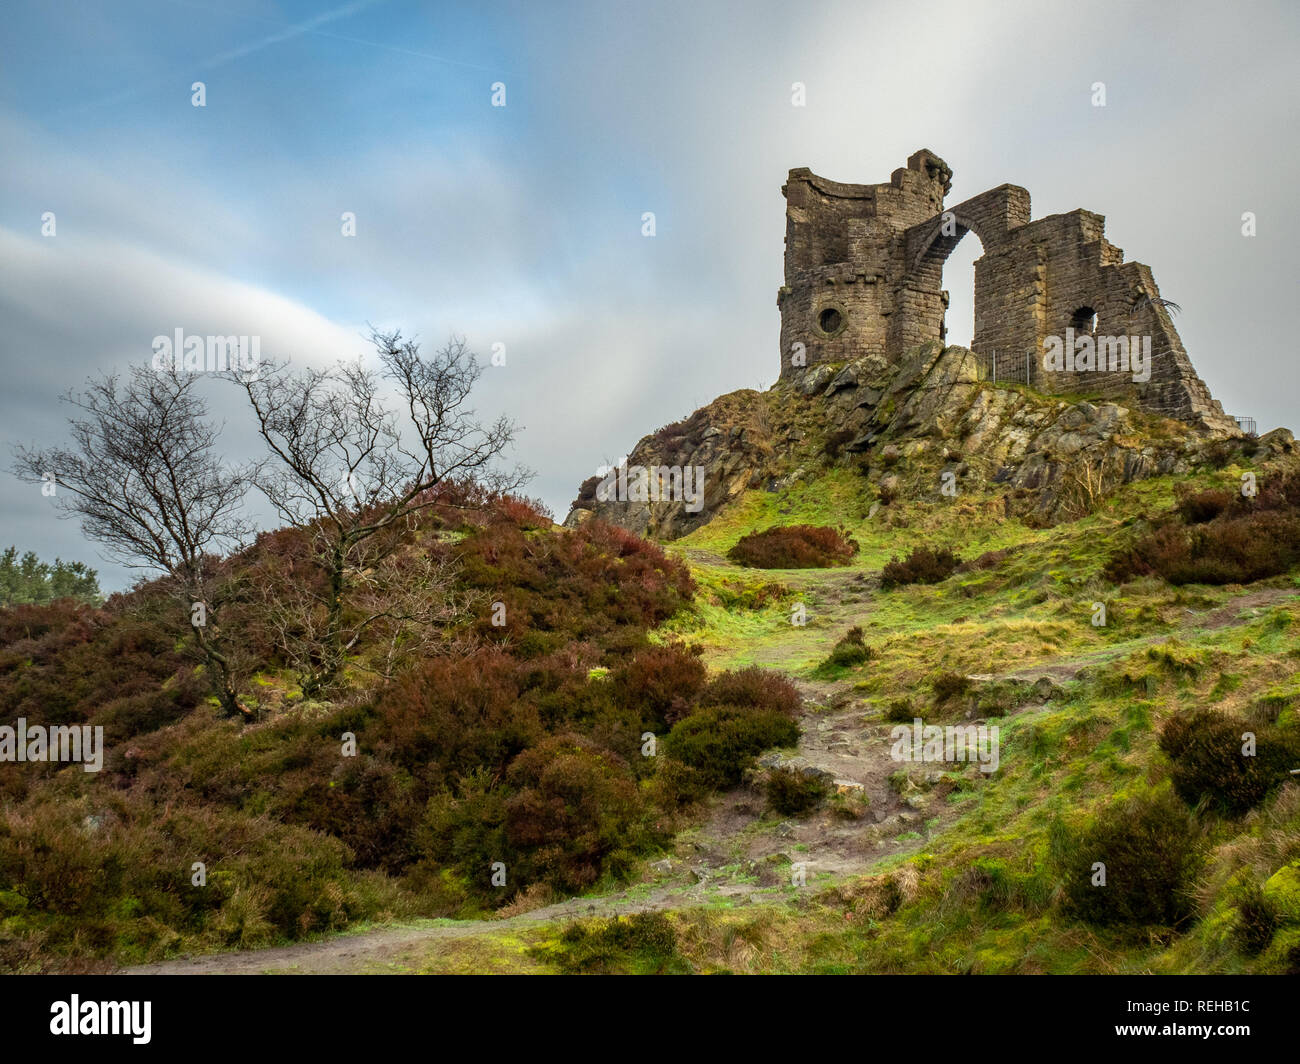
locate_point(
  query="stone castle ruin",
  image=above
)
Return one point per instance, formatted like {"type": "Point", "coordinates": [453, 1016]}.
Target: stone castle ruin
{"type": "Point", "coordinates": [863, 282]}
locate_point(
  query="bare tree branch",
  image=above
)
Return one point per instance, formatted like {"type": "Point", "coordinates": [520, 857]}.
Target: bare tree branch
{"type": "Point", "coordinates": [143, 475]}
{"type": "Point", "coordinates": [345, 468]}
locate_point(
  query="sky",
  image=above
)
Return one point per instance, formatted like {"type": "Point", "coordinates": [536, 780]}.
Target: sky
{"type": "Point", "coordinates": [521, 225]}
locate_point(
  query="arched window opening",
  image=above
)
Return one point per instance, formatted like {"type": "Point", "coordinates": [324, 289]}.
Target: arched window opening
{"type": "Point", "coordinates": [1084, 321]}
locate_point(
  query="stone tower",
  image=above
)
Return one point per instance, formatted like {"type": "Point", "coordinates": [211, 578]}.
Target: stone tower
{"type": "Point", "coordinates": [863, 281]}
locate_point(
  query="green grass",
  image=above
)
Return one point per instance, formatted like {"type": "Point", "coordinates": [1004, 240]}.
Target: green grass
{"type": "Point", "coordinates": [1157, 655]}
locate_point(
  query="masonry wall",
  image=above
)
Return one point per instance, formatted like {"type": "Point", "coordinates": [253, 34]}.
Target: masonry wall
{"type": "Point", "coordinates": [874, 255]}
{"type": "Point", "coordinates": [845, 250]}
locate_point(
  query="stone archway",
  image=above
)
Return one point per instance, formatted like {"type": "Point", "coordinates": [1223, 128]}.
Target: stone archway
{"type": "Point", "coordinates": [990, 216]}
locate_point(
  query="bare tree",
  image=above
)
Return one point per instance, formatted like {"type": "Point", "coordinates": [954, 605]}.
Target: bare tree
{"type": "Point", "coordinates": [143, 475]}
{"type": "Point", "coordinates": [346, 465]}
{"type": "Point", "coordinates": [408, 604]}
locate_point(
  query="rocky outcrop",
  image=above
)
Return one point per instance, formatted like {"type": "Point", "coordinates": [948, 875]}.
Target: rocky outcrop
{"type": "Point", "coordinates": [927, 427]}
{"type": "Point", "coordinates": [726, 444]}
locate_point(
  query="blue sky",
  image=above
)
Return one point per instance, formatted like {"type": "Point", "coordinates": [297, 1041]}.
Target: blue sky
{"type": "Point", "coordinates": [522, 225]}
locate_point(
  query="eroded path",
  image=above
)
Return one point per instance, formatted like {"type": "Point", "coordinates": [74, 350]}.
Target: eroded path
{"type": "Point", "coordinates": [739, 853]}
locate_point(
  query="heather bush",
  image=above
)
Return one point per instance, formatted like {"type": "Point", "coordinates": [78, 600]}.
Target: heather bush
{"type": "Point", "coordinates": [518, 744]}
{"type": "Point", "coordinates": [722, 742]}
{"type": "Point", "coordinates": [792, 793]}
{"type": "Point", "coordinates": [67, 664]}
{"type": "Point", "coordinates": [576, 814]}
{"type": "Point", "coordinates": [567, 813]}
{"type": "Point", "coordinates": [1219, 537]}
{"type": "Point", "coordinates": [1201, 506]}
{"type": "Point", "coordinates": [1150, 848]}
{"type": "Point", "coordinates": [531, 515]}
{"type": "Point", "coordinates": [114, 877]}
{"type": "Point", "coordinates": [1235, 550]}
{"type": "Point", "coordinates": [850, 650]}
{"type": "Point", "coordinates": [664, 682]}
{"type": "Point", "coordinates": [561, 588]}
{"type": "Point", "coordinates": [1210, 767]}
{"type": "Point", "coordinates": [921, 566]}
{"type": "Point", "coordinates": [757, 688]}
{"type": "Point", "coordinates": [794, 547]}
{"type": "Point", "coordinates": [454, 715]}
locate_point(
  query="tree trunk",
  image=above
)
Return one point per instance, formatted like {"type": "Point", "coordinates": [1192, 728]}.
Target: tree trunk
{"type": "Point", "coordinates": [219, 676]}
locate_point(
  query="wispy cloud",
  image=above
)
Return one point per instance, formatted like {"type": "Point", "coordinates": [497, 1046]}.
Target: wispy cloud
{"type": "Point", "coordinates": [521, 225]}
{"type": "Point", "coordinates": [288, 33]}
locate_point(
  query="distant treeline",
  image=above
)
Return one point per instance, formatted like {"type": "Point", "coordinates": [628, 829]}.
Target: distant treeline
{"type": "Point", "coordinates": [27, 579]}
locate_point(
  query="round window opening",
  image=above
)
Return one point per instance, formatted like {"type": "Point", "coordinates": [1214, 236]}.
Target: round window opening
{"type": "Point", "coordinates": [830, 320]}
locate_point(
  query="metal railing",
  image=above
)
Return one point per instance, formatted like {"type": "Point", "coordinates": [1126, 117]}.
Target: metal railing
{"type": "Point", "coordinates": [1246, 424]}
{"type": "Point", "coordinates": [1008, 367]}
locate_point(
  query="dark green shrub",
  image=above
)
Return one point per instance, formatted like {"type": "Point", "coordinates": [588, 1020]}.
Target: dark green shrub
{"type": "Point", "coordinates": [1257, 921]}
{"type": "Point", "coordinates": [949, 685]}
{"type": "Point", "coordinates": [900, 711]}
{"type": "Point", "coordinates": [1150, 849]}
{"type": "Point", "coordinates": [850, 650]}
{"type": "Point", "coordinates": [793, 793]}
{"type": "Point", "coordinates": [921, 566]}
{"type": "Point", "coordinates": [794, 547]}
{"type": "Point", "coordinates": [676, 785]}
{"type": "Point", "coordinates": [1209, 766]}
{"type": "Point", "coordinates": [722, 742]}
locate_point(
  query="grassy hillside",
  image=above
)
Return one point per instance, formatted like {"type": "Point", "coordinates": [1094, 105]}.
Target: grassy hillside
{"type": "Point", "coordinates": [681, 861]}
{"type": "Point", "coordinates": [505, 764]}
{"type": "Point", "coordinates": [981, 880]}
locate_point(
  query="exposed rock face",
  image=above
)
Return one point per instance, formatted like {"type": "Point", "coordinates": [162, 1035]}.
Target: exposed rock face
{"type": "Point", "coordinates": [924, 427]}
{"type": "Point", "coordinates": [729, 442]}
{"type": "Point", "coordinates": [866, 378]}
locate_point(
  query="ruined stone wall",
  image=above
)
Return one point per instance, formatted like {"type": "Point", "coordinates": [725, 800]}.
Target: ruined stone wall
{"type": "Point", "coordinates": [864, 274]}
{"type": "Point", "coordinates": [1082, 273]}
{"type": "Point", "coordinates": [846, 252]}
